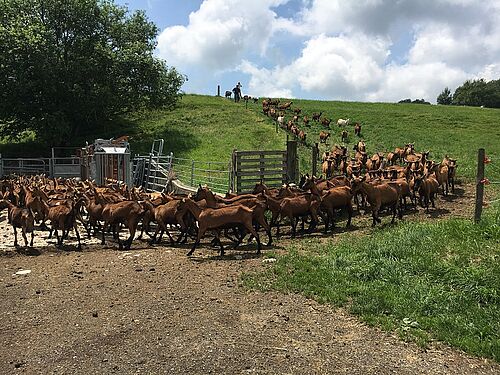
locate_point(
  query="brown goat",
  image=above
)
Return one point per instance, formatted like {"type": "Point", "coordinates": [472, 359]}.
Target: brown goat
{"type": "Point", "coordinates": [427, 187]}
{"type": "Point", "coordinates": [248, 200]}
{"type": "Point", "coordinates": [300, 206]}
{"type": "Point", "coordinates": [22, 218]}
{"type": "Point", "coordinates": [217, 218]}
{"type": "Point", "coordinates": [452, 167]}
{"type": "Point", "coordinates": [302, 136]}
{"type": "Point", "coordinates": [383, 194]}
{"type": "Point", "coordinates": [357, 129]}
{"type": "Point", "coordinates": [326, 122]}
{"type": "Point", "coordinates": [306, 120]}
{"type": "Point", "coordinates": [63, 217]}
{"type": "Point", "coordinates": [316, 116]}
{"type": "Point", "coordinates": [285, 106]}
{"type": "Point", "coordinates": [128, 213]}
{"type": "Point", "coordinates": [335, 198]}
{"type": "Point", "coordinates": [344, 136]}
{"type": "Point", "coordinates": [323, 136]}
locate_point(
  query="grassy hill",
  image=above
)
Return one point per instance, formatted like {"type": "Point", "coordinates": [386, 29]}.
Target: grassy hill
{"type": "Point", "coordinates": [208, 128]}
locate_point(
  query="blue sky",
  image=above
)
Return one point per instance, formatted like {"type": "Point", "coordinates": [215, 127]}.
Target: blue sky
{"type": "Point", "coordinates": [367, 50]}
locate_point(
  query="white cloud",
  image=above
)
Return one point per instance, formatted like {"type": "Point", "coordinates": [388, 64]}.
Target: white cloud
{"type": "Point", "coordinates": [416, 81]}
{"type": "Point", "coordinates": [219, 34]}
{"type": "Point", "coordinates": [346, 46]}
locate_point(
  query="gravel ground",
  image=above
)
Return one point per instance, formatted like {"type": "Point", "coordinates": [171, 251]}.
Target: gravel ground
{"type": "Point", "coordinates": [154, 311]}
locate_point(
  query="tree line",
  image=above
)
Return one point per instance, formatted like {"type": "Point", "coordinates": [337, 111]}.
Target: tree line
{"type": "Point", "coordinates": [68, 66]}
{"type": "Point", "coordinates": [474, 93]}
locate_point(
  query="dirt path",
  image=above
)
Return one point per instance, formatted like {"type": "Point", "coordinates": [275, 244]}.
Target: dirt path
{"type": "Point", "coordinates": [156, 311]}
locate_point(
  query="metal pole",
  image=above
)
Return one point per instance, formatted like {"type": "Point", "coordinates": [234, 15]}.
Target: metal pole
{"type": "Point", "coordinates": [146, 185]}
{"type": "Point", "coordinates": [209, 177]}
{"type": "Point", "coordinates": [479, 185]}
{"type": "Point", "coordinates": [192, 172]}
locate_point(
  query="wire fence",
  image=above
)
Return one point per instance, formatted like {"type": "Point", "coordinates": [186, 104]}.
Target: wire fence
{"type": "Point", "coordinates": [217, 175]}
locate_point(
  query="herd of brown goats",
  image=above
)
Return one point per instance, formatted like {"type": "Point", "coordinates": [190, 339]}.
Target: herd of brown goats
{"type": "Point", "coordinates": [53, 205]}
{"type": "Point", "coordinates": [278, 111]}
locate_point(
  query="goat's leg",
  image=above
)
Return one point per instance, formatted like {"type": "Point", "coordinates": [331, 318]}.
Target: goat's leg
{"type": "Point", "coordinates": [104, 228]}
{"type": "Point", "coordinates": [59, 242]}
{"type": "Point", "coordinates": [23, 232]}
{"type": "Point", "coordinates": [153, 239]}
{"type": "Point", "coordinates": [32, 236]}
{"type": "Point", "coordinates": [15, 236]}
{"type": "Point", "coordinates": [75, 227]}
{"type": "Point", "coordinates": [293, 224]}
{"type": "Point", "coordinates": [263, 222]}
{"type": "Point", "coordinates": [250, 228]}
{"type": "Point", "coordinates": [314, 221]}
{"type": "Point", "coordinates": [431, 196]}
{"type": "Point", "coordinates": [132, 228]}
{"type": "Point", "coordinates": [349, 215]}
{"type": "Point", "coordinates": [201, 232]}
{"type": "Point", "coordinates": [394, 209]}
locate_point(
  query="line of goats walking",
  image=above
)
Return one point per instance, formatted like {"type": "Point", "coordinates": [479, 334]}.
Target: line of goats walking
{"type": "Point", "coordinates": [64, 204]}
{"type": "Point", "coordinates": [277, 111]}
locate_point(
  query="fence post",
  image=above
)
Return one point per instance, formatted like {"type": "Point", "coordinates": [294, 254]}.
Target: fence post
{"type": "Point", "coordinates": [292, 164]}
{"type": "Point", "coordinates": [230, 175]}
{"type": "Point", "coordinates": [479, 185]}
{"type": "Point", "coordinates": [146, 185]}
{"type": "Point", "coordinates": [315, 154]}
{"type": "Point", "coordinates": [192, 172]}
{"type": "Point", "coordinates": [218, 90]}
{"type": "Point", "coordinates": [234, 172]}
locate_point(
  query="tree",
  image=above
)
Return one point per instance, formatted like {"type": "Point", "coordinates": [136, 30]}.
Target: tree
{"type": "Point", "coordinates": [445, 97]}
{"type": "Point", "coordinates": [69, 65]}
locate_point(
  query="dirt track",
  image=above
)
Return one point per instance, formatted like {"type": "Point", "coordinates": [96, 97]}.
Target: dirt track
{"type": "Point", "coordinates": [153, 310]}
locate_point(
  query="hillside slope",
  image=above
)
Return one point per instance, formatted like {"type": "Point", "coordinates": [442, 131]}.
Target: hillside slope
{"type": "Point", "coordinates": [208, 128]}
{"type": "Point", "coordinates": [455, 131]}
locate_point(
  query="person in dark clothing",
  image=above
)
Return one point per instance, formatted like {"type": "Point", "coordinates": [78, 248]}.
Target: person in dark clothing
{"type": "Point", "coordinates": [236, 92]}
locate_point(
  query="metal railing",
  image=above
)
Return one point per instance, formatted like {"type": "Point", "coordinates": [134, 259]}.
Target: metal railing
{"type": "Point", "coordinates": [216, 175]}
{"type": "Point", "coordinates": [25, 166]}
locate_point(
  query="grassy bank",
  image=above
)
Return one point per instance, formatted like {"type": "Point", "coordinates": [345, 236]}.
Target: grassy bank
{"type": "Point", "coordinates": [456, 131]}
{"type": "Point", "coordinates": [201, 127]}
{"type": "Point", "coordinates": [427, 281]}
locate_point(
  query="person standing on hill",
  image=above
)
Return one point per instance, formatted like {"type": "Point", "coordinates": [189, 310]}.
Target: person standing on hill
{"type": "Point", "coordinates": [238, 87]}
{"type": "Point", "coordinates": [236, 94]}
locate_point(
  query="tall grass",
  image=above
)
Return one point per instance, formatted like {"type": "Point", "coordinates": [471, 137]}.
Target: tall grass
{"type": "Point", "coordinates": [433, 280]}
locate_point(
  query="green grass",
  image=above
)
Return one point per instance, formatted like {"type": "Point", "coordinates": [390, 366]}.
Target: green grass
{"type": "Point", "coordinates": [208, 128]}
{"type": "Point", "coordinates": [444, 130]}
{"type": "Point", "coordinates": [428, 281]}
{"type": "Point", "coordinates": [201, 127]}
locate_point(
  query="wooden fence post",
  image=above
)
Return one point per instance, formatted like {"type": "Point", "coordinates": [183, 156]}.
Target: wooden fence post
{"type": "Point", "coordinates": [234, 171]}
{"type": "Point", "coordinates": [479, 185]}
{"type": "Point", "coordinates": [292, 164]}
{"type": "Point", "coordinates": [315, 154]}
{"type": "Point", "coordinates": [218, 90]}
